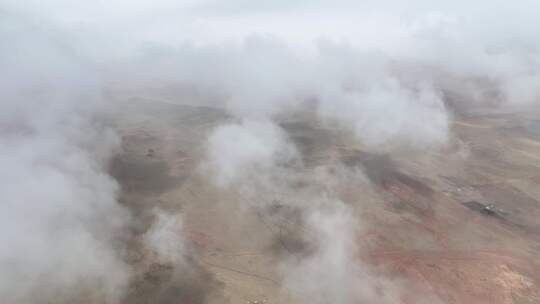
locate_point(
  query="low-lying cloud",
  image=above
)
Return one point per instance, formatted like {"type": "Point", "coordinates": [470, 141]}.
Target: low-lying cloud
{"type": "Point", "coordinates": [391, 74]}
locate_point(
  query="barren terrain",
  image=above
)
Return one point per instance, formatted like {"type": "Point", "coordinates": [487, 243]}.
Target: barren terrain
{"type": "Point", "coordinates": [454, 225]}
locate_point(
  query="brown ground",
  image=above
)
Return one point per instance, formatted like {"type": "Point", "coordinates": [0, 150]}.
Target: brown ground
{"type": "Point", "coordinates": [425, 213]}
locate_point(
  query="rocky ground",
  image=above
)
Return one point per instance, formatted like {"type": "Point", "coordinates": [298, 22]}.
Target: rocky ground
{"type": "Point", "coordinates": [461, 224]}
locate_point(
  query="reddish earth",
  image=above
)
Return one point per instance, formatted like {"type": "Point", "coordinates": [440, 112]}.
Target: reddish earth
{"type": "Point", "coordinates": [459, 224]}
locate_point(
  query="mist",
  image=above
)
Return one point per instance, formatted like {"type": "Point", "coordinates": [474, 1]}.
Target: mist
{"type": "Point", "coordinates": [387, 74]}
{"type": "Point", "coordinates": [59, 212]}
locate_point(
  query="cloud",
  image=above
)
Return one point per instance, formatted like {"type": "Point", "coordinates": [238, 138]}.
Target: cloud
{"type": "Point", "coordinates": [237, 150]}
{"type": "Point", "coordinates": [165, 239]}
{"type": "Point", "coordinates": [59, 217]}
{"type": "Point", "coordinates": [334, 273]}
{"type": "Point", "coordinates": [382, 70]}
